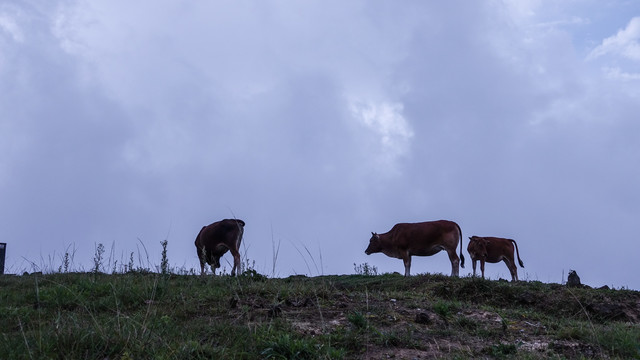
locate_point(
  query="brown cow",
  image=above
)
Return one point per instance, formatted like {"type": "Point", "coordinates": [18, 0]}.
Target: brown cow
{"type": "Point", "coordinates": [493, 250]}
{"type": "Point", "coordinates": [419, 239]}
{"type": "Point", "coordinates": [216, 239]}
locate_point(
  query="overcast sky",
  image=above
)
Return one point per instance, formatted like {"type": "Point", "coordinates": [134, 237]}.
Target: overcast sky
{"type": "Point", "coordinates": [318, 122]}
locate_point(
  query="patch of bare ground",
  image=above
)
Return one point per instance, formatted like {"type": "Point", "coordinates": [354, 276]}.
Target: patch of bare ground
{"type": "Point", "coordinates": [410, 328]}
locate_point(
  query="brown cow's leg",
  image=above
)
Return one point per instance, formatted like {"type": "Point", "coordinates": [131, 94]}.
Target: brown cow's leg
{"type": "Point", "coordinates": [455, 262]}
{"type": "Point", "coordinates": [407, 264]}
{"type": "Point", "coordinates": [201, 259]}
{"type": "Point", "coordinates": [473, 263]}
{"type": "Point", "coordinates": [482, 267]}
{"type": "Point", "coordinates": [512, 269]}
{"type": "Point", "coordinates": [236, 261]}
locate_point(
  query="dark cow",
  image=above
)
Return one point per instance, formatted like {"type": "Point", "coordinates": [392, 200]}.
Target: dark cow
{"type": "Point", "coordinates": [493, 250]}
{"type": "Point", "coordinates": [216, 239]}
{"type": "Point", "coordinates": [419, 239]}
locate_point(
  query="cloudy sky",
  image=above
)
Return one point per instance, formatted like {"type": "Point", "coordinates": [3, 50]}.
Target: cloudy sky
{"type": "Point", "coordinates": [318, 122]}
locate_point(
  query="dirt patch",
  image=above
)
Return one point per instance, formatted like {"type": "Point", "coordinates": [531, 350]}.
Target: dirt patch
{"type": "Point", "coordinates": [317, 327]}
{"type": "Point", "coordinates": [434, 349]}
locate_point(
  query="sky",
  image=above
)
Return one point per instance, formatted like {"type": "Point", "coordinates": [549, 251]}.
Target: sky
{"type": "Point", "coordinates": [317, 123]}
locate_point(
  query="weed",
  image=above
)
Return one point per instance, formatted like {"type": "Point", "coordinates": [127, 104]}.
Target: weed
{"type": "Point", "coordinates": [365, 269]}
{"type": "Point", "coordinates": [313, 260]}
{"type": "Point", "coordinates": [67, 260]}
{"type": "Point", "coordinates": [347, 340]}
{"type": "Point", "coordinates": [164, 263]}
{"type": "Point", "coordinates": [129, 266]}
{"type": "Point", "coordinates": [395, 338]}
{"type": "Point", "coordinates": [620, 339]}
{"type": "Point", "coordinates": [286, 347]}
{"type": "Point", "coordinates": [573, 331]}
{"type": "Point", "coordinates": [445, 308]}
{"type": "Point", "coordinates": [65, 263]}
{"type": "Point", "coordinates": [253, 274]}
{"type": "Point", "coordinates": [467, 324]}
{"type": "Point", "coordinates": [275, 250]}
{"type": "Point", "coordinates": [247, 266]}
{"type": "Point", "coordinates": [501, 351]}
{"type": "Point", "coordinates": [141, 266]}
{"type": "Point", "coordinates": [358, 320]}
{"type": "Point", "coordinates": [97, 258]}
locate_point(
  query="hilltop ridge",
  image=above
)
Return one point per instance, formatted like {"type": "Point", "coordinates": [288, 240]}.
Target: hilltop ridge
{"type": "Point", "coordinates": [147, 315]}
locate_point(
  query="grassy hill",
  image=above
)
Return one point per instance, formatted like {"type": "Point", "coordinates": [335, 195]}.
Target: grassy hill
{"type": "Point", "coordinates": [140, 315]}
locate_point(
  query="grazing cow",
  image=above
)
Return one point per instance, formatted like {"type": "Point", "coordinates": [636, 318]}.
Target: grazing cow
{"type": "Point", "coordinates": [493, 250]}
{"type": "Point", "coordinates": [216, 239]}
{"type": "Point", "coordinates": [419, 239]}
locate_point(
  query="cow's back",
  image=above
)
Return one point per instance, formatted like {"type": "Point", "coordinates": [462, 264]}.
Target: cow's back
{"type": "Point", "coordinates": [212, 236]}
{"type": "Point", "coordinates": [199, 241]}
{"type": "Point", "coordinates": [498, 247]}
{"type": "Point", "coordinates": [424, 236]}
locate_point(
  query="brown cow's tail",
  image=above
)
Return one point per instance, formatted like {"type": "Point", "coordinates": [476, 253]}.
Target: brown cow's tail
{"type": "Point", "coordinates": [461, 256]}
{"type": "Point", "coordinates": [517, 252]}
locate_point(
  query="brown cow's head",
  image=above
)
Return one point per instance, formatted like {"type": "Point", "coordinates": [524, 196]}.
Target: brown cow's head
{"type": "Point", "coordinates": [477, 247]}
{"type": "Point", "coordinates": [209, 258]}
{"type": "Point", "coordinates": [374, 244]}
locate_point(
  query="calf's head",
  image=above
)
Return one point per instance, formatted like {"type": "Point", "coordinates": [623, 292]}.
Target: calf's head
{"type": "Point", "coordinates": [477, 247]}
{"type": "Point", "coordinates": [374, 244]}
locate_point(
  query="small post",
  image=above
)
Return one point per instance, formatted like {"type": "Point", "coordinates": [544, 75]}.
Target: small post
{"type": "Point", "coordinates": [3, 251]}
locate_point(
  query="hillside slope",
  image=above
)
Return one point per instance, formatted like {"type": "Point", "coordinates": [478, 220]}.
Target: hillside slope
{"type": "Point", "coordinates": [145, 315]}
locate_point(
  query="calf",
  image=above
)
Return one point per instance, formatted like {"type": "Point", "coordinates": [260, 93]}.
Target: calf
{"type": "Point", "coordinates": [216, 239]}
{"type": "Point", "coordinates": [420, 239]}
{"type": "Point", "coordinates": [493, 250]}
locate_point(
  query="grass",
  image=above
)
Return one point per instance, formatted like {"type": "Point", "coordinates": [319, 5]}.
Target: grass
{"type": "Point", "coordinates": [149, 315]}
{"type": "Point", "coordinates": [163, 315]}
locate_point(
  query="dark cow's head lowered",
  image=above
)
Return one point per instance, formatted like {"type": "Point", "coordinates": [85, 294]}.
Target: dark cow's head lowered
{"type": "Point", "coordinates": [214, 240]}
{"type": "Point", "coordinates": [420, 239]}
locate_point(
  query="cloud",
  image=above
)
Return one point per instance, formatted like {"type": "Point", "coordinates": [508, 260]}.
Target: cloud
{"type": "Point", "coordinates": [391, 130]}
{"type": "Point", "coordinates": [316, 123]}
{"type": "Point", "coordinates": [9, 26]}
{"type": "Point", "coordinates": [618, 74]}
{"type": "Point", "coordinates": [626, 43]}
